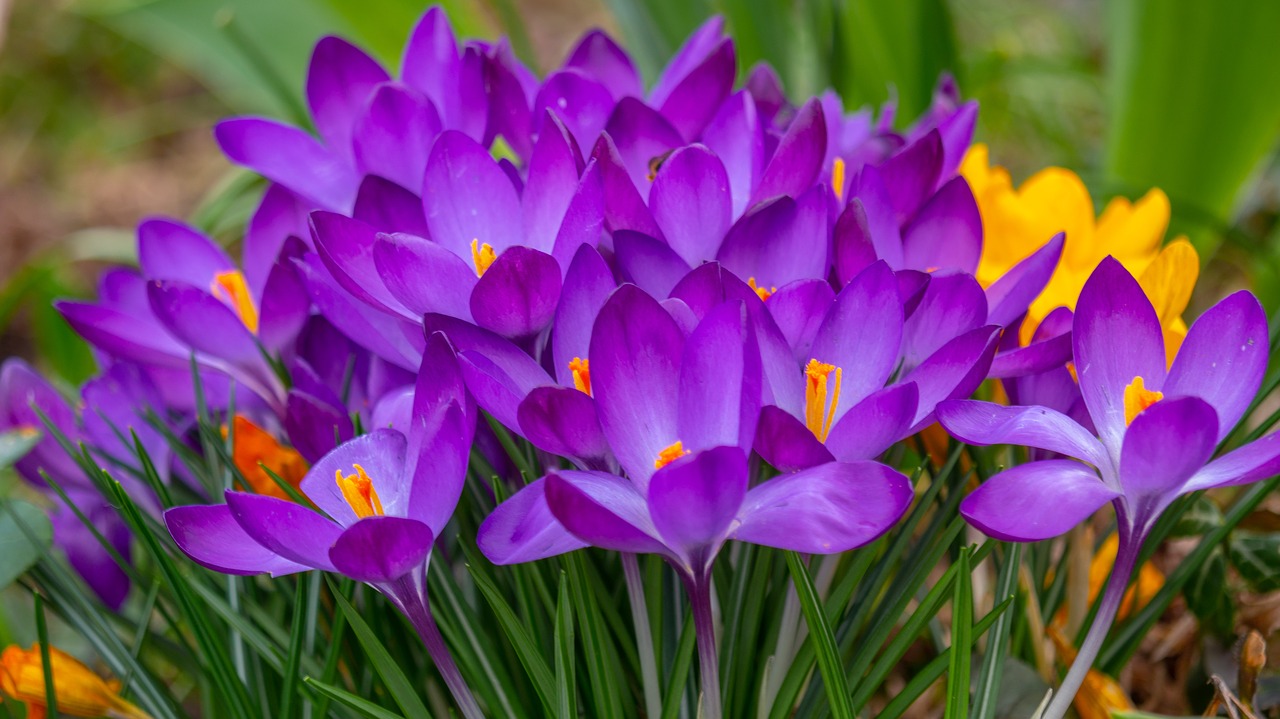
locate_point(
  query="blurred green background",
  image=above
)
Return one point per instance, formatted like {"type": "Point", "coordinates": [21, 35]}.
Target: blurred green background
{"type": "Point", "coordinates": [107, 107]}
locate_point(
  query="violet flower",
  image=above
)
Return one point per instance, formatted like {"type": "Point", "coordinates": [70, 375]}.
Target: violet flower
{"type": "Point", "coordinates": [393, 494]}
{"type": "Point", "coordinates": [1156, 428]}
{"type": "Point", "coordinates": [678, 410]}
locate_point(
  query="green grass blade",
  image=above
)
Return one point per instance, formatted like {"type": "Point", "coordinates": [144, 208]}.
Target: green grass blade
{"type": "Point", "coordinates": [364, 706]}
{"type": "Point", "coordinates": [961, 642]}
{"type": "Point", "coordinates": [680, 669]}
{"type": "Point", "coordinates": [46, 664]}
{"type": "Point", "coordinates": [401, 690]}
{"type": "Point", "coordinates": [822, 637]}
{"type": "Point", "coordinates": [991, 672]}
{"type": "Point", "coordinates": [566, 687]}
{"type": "Point", "coordinates": [601, 656]}
{"type": "Point", "coordinates": [526, 650]}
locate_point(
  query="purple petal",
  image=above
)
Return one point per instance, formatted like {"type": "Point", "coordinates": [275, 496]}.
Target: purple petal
{"type": "Point", "coordinates": [603, 510]}
{"type": "Point", "coordinates": [957, 133]}
{"type": "Point", "coordinates": [830, 508]}
{"type": "Point", "coordinates": [581, 102]}
{"type": "Point", "coordinates": [862, 334]}
{"type": "Point", "coordinates": [872, 194]}
{"type": "Point", "coordinates": [381, 550]}
{"type": "Point", "coordinates": [291, 157]}
{"type": "Point", "coordinates": [946, 233]}
{"type": "Point", "coordinates": [1116, 337]}
{"type": "Point", "coordinates": [695, 99]}
{"type": "Point", "coordinates": [345, 245]}
{"type": "Point", "coordinates": [431, 62]}
{"type": "Point", "coordinates": [388, 207]}
{"type": "Point", "coordinates": [784, 442]}
{"type": "Point", "coordinates": [736, 136]}
{"type": "Point", "coordinates": [766, 90]}
{"type": "Point", "coordinates": [382, 453]}
{"type": "Point", "coordinates": [984, 423]}
{"type": "Point", "coordinates": [719, 384]}
{"type": "Point", "coordinates": [522, 529]}
{"type": "Point", "coordinates": [296, 533]}
{"type": "Point", "coordinates": [651, 264]}
{"type": "Point", "coordinates": [911, 175]}
{"type": "Point", "coordinates": [780, 241]}
{"type": "Point", "coordinates": [954, 371]}
{"type": "Point", "coordinates": [392, 338]}
{"type": "Point", "coordinates": [563, 421]}
{"type": "Point", "coordinates": [170, 250]}
{"type": "Point", "coordinates": [599, 56]}
{"type": "Point", "coordinates": [440, 435]}
{"type": "Point", "coordinates": [690, 202]}
{"type": "Point", "coordinates": [553, 179]}
{"type": "Point", "coordinates": [587, 285]}
{"type": "Point", "coordinates": [394, 134]}
{"type": "Point", "coordinates": [281, 215]}
{"type": "Point", "coordinates": [284, 309]}
{"type": "Point", "coordinates": [213, 539]}
{"type": "Point", "coordinates": [584, 218]}
{"type": "Point", "coordinates": [693, 501]}
{"type": "Point", "coordinates": [467, 197]}
{"type": "Point", "coordinates": [339, 81]}
{"type": "Point", "coordinates": [868, 428]}
{"type": "Point", "coordinates": [635, 361]}
{"type": "Point", "coordinates": [1223, 358]}
{"type": "Point", "coordinates": [1035, 358]}
{"type": "Point", "coordinates": [1036, 501]}
{"type": "Point", "coordinates": [86, 553]}
{"type": "Point", "coordinates": [467, 337]}
{"type": "Point", "coordinates": [1163, 446]}
{"type": "Point", "coordinates": [313, 425]}
{"type": "Point", "coordinates": [1011, 295]}
{"type": "Point", "coordinates": [509, 112]}
{"type": "Point", "coordinates": [423, 276]}
{"type": "Point", "coordinates": [853, 249]}
{"type": "Point", "coordinates": [642, 137]}
{"type": "Point", "coordinates": [124, 335]}
{"type": "Point", "coordinates": [696, 48]}
{"type": "Point", "coordinates": [517, 295]}
{"type": "Point", "coordinates": [799, 309]}
{"type": "Point", "coordinates": [624, 209]}
{"type": "Point", "coordinates": [951, 305]}
{"type": "Point", "coordinates": [797, 162]}
{"type": "Point", "coordinates": [1254, 461]}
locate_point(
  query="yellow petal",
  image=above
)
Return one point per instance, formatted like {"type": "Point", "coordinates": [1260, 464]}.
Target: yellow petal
{"type": "Point", "coordinates": [1132, 233]}
{"type": "Point", "coordinates": [1169, 280]}
{"type": "Point", "coordinates": [1055, 200]}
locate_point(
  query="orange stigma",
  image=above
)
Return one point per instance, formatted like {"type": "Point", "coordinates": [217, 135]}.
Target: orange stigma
{"type": "Point", "coordinates": [358, 490]}
{"type": "Point", "coordinates": [837, 178]}
{"type": "Point", "coordinates": [819, 412]}
{"type": "Point", "coordinates": [230, 287]}
{"type": "Point", "coordinates": [483, 256]}
{"type": "Point", "coordinates": [581, 370]}
{"type": "Point", "coordinates": [254, 451]}
{"type": "Point", "coordinates": [669, 454]}
{"type": "Point", "coordinates": [761, 292]}
{"type": "Point", "coordinates": [1137, 398]}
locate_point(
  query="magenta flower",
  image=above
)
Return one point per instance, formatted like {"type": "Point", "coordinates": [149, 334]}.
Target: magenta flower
{"type": "Point", "coordinates": [1156, 428]}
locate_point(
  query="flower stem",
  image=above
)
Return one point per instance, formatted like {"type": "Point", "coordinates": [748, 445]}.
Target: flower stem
{"type": "Point", "coordinates": [644, 635]}
{"type": "Point", "coordinates": [708, 660]}
{"type": "Point", "coordinates": [419, 614]}
{"type": "Point", "coordinates": [1126, 557]}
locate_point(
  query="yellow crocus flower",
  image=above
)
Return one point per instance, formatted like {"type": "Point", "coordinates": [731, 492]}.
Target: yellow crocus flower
{"type": "Point", "coordinates": [78, 690]}
{"type": "Point", "coordinates": [1019, 221]}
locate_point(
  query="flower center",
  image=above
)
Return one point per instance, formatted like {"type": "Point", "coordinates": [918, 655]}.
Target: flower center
{"type": "Point", "coordinates": [670, 454]}
{"type": "Point", "coordinates": [231, 288]}
{"type": "Point", "coordinates": [483, 256]}
{"type": "Point", "coordinates": [819, 410]}
{"type": "Point", "coordinates": [1137, 398]}
{"type": "Point", "coordinates": [761, 292]}
{"type": "Point", "coordinates": [358, 490]}
{"type": "Point", "coordinates": [581, 370]}
{"type": "Point", "coordinates": [837, 178]}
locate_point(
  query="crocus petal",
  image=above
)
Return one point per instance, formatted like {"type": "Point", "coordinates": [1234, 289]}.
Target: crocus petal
{"type": "Point", "coordinates": [957, 133]}
{"type": "Point", "coordinates": [701, 43]}
{"type": "Point", "coordinates": [911, 175]}
{"type": "Point", "coordinates": [1223, 358]}
{"type": "Point", "coordinates": [985, 423]}
{"type": "Point", "coordinates": [799, 309]}
{"type": "Point", "coordinates": [875, 423]}
{"type": "Point", "coordinates": [635, 359]}
{"type": "Point", "coordinates": [1035, 358]}
{"type": "Point", "coordinates": [780, 241]}
{"type": "Point", "coordinates": [650, 264]}
{"type": "Point", "coordinates": [694, 500]}
{"type": "Point", "coordinates": [553, 179]}
{"type": "Point", "coordinates": [281, 214]}
{"type": "Point", "coordinates": [284, 308]}
{"type": "Point", "coordinates": [853, 248]}
{"type": "Point", "coordinates": [954, 371]}
{"type": "Point", "coordinates": [517, 295]}
{"type": "Point", "coordinates": [1036, 501]}
{"type": "Point", "coordinates": [213, 539]}
{"type": "Point", "coordinates": [696, 98]}
{"type": "Point", "coordinates": [584, 219]}
{"type": "Point", "coordinates": [86, 553]}
{"type": "Point", "coordinates": [388, 336]}
{"type": "Point", "coordinates": [951, 305]}
{"type": "Point", "coordinates": [690, 202]}
{"type": "Point", "coordinates": [169, 250]}
{"type": "Point", "coordinates": [380, 550]}
{"type": "Point", "coordinates": [563, 421]}
{"type": "Point", "coordinates": [642, 136]}
{"type": "Point", "coordinates": [1011, 295]}
{"type": "Point", "coordinates": [587, 285]}
{"type": "Point", "coordinates": [872, 192]}
{"type": "Point", "coordinates": [736, 136]}
{"type": "Point", "coordinates": [395, 133]}
{"type": "Point", "coordinates": [339, 80]}
{"type": "Point", "coordinates": [784, 442]}
{"type": "Point", "coordinates": [1163, 446]}
{"type": "Point", "coordinates": [862, 334]}
{"type": "Point", "coordinates": [1116, 337]}
{"type": "Point", "coordinates": [467, 197]}
{"type": "Point", "coordinates": [603, 510]}
{"type": "Point", "coordinates": [423, 276]}
{"type": "Point", "coordinates": [509, 111]}
{"type": "Point", "coordinates": [946, 233]}
{"type": "Point", "coordinates": [382, 453]}
{"type": "Point", "coordinates": [466, 337]}
{"type": "Point", "coordinates": [720, 381]}
{"type": "Point", "coordinates": [296, 533]}
{"type": "Point", "coordinates": [624, 209]}
{"type": "Point", "coordinates": [580, 101]}
{"type": "Point", "coordinates": [314, 425]}
{"type": "Point", "coordinates": [344, 246]}
{"type": "Point", "coordinates": [440, 434]}
{"type": "Point", "coordinates": [1257, 460]}
{"type": "Point", "coordinates": [599, 56]}
{"type": "Point", "coordinates": [431, 61]}
{"type": "Point", "coordinates": [830, 508]}
{"type": "Point", "coordinates": [522, 529]}
{"type": "Point", "coordinates": [124, 335]}
{"type": "Point", "coordinates": [798, 159]}
{"type": "Point", "coordinates": [290, 157]}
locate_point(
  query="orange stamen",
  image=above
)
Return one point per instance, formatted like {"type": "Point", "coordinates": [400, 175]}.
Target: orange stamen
{"type": "Point", "coordinates": [78, 690]}
{"type": "Point", "coordinates": [254, 451]}
{"type": "Point", "coordinates": [819, 412]}
{"type": "Point", "coordinates": [231, 287]}
{"type": "Point", "coordinates": [761, 292]}
{"type": "Point", "coordinates": [1137, 398]}
{"type": "Point", "coordinates": [581, 370]}
{"type": "Point", "coordinates": [358, 490]}
{"type": "Point", "coordinates": [669, 454]}
{"type": "Point", "coordinates": [483, 256]}
{"type": "Point", "coordinates": [837, 178]}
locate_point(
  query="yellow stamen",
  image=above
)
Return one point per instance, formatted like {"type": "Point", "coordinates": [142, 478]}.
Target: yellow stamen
{"type": "Point", "coordinates": [761, 292]}
{"type": "Point", "coordinates": [837, 178]}
{"type": "Point", "coordinates": [669, 454]}
{"type": "Point", "coordinates": [78, 690]}
{"type": "Point", "coordinates": [358, 490]}
{"type": "Point", "coordinates": [254, 451]}
{"type": "Point", "coordinates": [581, 370]}
{"type": "Point", "coordinates": [819, 413]}
{"type": "Point", "coordinates": [1137, 398]}
{"type": "Point", "coordinates": [230, 287]}
{"type": "Point", "coordinates": [482, 256]}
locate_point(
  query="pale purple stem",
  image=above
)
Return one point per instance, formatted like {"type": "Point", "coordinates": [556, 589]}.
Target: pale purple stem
{"type": "Point", "coordinates": [704, 624]}
{"type": "Point", "coordinates": [415, 608]}
{"type": "Point", "coordinates": [1112, 596]}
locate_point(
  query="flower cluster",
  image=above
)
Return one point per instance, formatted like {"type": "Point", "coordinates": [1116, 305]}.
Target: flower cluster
{"type": "Point", "coordinates": [709, 311]}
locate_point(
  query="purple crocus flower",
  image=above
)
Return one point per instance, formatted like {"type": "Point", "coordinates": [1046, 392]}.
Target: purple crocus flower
{"type": "Point", "coordinates": [678, 411]}
{"type": "Point", "coordinates": [383, 499]}
{"type": "Point", "coordinates": [1154, 431]}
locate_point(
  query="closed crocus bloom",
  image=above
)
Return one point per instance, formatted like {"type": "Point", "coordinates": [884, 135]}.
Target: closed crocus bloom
{"type": "Point", "coordinates": [1155, 427]}
{"type": "Point", "coordinates": [79, 692]}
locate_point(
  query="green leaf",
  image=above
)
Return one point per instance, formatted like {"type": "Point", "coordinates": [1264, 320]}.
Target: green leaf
{"type": "Point", "coordinates": [1257, 558]}
{"type": "Point", "coordinates": [820, 634]}
{"type": "Point", "coordinates": [386, 667]}
{"type": "Point", "coordinates": [602, 660]}
{"type": "Point", "coordinates": [526, 649]}
{"type": "Point", "coordinates": [15, 444]}
{"type": "Point", "coordinates": [961, 642]}
{"type": "Point", "coordinates": [25, 536]}
{"type": "Point", "coordinates": [364, 706]}
{"type": "Point", "coordinates": [1202, 517]}
{"type": "Point", "coordinates": [987, 695]}
{"type": "Point", "coordinates": [566, 687]}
